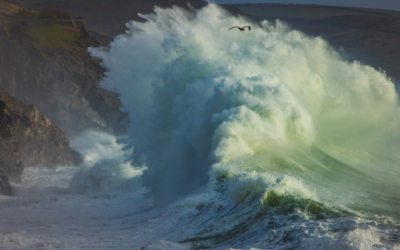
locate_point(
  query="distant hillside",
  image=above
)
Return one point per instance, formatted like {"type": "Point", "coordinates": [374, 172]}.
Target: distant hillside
{"type": "Point", "coordinates": [368, 35]}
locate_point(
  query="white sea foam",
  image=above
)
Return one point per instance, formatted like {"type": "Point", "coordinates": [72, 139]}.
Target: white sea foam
{"type": "Point", "coordinates": [79, 207]}
{"type": "Point", "coordinates": [106, 166]}
{"type": "Point", "coordinates": [204, 100]}
{"type": "Point", "coordinates": [271, 113]}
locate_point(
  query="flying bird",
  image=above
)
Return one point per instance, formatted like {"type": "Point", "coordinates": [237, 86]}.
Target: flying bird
{"type": "Point", "coordinates": [241, 28]}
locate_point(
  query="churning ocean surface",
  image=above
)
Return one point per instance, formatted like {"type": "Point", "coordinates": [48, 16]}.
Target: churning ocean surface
{"type": "Point", "coordinates": [261, 139]}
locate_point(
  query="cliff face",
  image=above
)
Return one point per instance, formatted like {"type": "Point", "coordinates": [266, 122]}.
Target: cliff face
{"type": "Point", "coordinates": [27, 135]}
{"type": "Point", "coordinates": [40, 142]}
{"type": "Point", "coordinates": [48, 66]}
{"type": "Point", "coordinates": [11, 166]}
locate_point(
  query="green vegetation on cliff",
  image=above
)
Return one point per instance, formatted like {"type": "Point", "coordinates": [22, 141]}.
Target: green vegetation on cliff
{"type": "Point", "coordinates": [44, 62]}
{"type": "Point", "coordinates": [46, 32]}
{"type": "Point", "coordinates": [56, 36]}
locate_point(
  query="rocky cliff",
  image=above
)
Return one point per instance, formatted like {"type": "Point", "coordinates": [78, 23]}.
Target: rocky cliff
{"type": "Point", "coordinates": [27, 136]}
{"type": "Point", "coordinates": [11, 166]}
{"type": "Point", "coordinates": [40, 142]}
{"type": "Point", "coordinates": [47, 65]}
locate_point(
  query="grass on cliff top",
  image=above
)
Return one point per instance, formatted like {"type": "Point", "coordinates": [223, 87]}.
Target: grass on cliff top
{"type": "Point", "coordinates": [55, 37]}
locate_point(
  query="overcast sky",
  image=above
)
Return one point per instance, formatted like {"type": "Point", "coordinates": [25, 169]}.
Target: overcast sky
{"type": "Point", "coordinates": [379, 4]}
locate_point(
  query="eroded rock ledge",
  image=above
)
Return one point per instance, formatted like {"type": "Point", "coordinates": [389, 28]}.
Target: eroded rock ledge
{"type": "Point", "coordinates": [40, 142]}
{"type": "Point", "coordinates": [47, 65]}
{"type": "Point", "coordinates": [11, 166]}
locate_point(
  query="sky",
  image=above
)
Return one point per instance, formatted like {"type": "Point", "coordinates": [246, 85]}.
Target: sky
{"type": "Point", "coordinates": [377, 4]}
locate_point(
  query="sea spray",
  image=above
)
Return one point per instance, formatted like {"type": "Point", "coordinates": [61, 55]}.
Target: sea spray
{"type": "Point", "coordinates": [203, 99]}
{"type": "Point", "coordinates": [105, 166]}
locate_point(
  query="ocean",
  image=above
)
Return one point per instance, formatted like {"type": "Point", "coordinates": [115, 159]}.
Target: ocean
{"type": "Point", "coordinates": [261, 139]}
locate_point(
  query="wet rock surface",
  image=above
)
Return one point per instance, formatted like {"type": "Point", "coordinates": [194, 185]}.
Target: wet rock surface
{"type": "Point", "coordinates": [11, 166]}
{"type": "Point", "coordinates": [47, 65]}
{"type": "Point", "coordinates": [38, 142]}
{"type": "Point", "coordinates": [5, 187]}
{"type": "Point", "coordinates": [27, 136]}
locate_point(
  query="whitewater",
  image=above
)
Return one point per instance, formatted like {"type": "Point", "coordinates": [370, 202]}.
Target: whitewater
{"type": "Point", "coordinates": [261, 139]}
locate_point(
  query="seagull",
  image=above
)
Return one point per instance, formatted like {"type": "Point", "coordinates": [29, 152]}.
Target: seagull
{"type": "Point", "coordinates": [241, 29]}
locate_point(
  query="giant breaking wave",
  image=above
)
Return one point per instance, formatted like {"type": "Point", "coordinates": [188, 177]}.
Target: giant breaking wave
{"type": "Point", "coordinates": [269, 120]}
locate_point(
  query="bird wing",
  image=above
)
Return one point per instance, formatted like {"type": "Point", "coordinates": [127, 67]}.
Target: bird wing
{"type": "Point", "coordinates": [233, 27]}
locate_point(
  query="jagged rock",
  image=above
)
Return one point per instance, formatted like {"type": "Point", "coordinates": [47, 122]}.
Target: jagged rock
{"type": "Point", "coordinates": [6, 126]}
{"type": "Point", "coordinates": [11, 166]}
{"type": "Point", "coordinates": [48, 66]}
{"type": "Point", "coordinates": [5, 187]}
{"type": "Point", "coordinates": [39, 142]}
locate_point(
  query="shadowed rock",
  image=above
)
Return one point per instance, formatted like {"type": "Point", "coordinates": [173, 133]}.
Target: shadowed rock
{"type": "Point", "coordinates": [47, 65]}
{"type": "Point", "coordinates": [11, 166]}
{"type": "Point", "coordinates": [39, 142]}
{"type": "Point", "coordinates": [5, 187]}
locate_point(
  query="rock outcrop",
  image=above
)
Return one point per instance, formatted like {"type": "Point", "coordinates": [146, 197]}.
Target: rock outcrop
{"type": "Point", "coordinates": [39, 142]}
{"type": "Point", "coordinates": [47, 65]}
{"type": "Point", "coordinates": [11, 166]}
{"type": "Point", "coordinates": [5, 187]}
